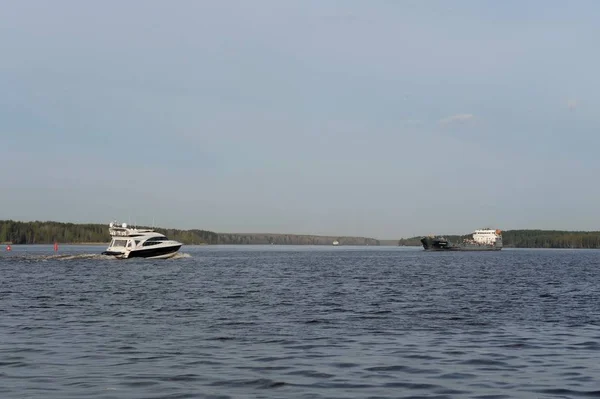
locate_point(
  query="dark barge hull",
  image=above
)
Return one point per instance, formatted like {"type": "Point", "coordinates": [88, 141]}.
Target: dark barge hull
{"type": "Point", "coordinates": [441, 244]}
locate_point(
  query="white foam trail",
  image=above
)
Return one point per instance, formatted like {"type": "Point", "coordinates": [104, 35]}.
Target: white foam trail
{"type": "Point", "coordinates": [96, 256]}
{"type": "Point", "coordinates": [77, 256]}
{"type": "Point", "coordinates": [45, 258]}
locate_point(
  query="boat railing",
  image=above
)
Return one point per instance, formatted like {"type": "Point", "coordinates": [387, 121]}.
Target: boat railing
{"type": "Point", "coordinates": [118, 233]}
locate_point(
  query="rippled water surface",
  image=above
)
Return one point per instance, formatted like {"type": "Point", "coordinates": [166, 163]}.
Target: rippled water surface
{"type": "Point", "coordinates": [300, 322]}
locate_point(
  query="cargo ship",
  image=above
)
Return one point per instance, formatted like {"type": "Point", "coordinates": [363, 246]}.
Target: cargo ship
{"type": "Point", "coordinates": [479, 240]}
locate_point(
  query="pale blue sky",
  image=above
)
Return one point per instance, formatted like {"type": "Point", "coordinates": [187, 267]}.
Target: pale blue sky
{"type": "Point", "coordinates": [377, 118]}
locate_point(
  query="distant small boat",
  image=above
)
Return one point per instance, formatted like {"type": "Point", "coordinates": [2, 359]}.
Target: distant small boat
{"type": "Point", "coordinates": [139, 243]}
{"type": "Point", "coordinates": [336, 243]}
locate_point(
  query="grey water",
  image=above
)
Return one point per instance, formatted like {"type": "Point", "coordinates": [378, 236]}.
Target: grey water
{"type": "Point", "coordinates": [299, 322]}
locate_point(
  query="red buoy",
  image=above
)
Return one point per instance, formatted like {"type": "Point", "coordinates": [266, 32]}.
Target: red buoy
{"type": "Point", "coordinates": [8, 248]}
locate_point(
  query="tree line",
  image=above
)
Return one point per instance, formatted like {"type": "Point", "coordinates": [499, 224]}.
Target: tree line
{"type": "Point", "coordinates": [37, 232]}
{"type": "Point", "coordinates": [49, 232]}
{"type": "Point", "coordinates": [532, 239]}
{"type": "Point", "coordinates": [292, 239]}
{"type": "Point", "coordinates": [551, 239]}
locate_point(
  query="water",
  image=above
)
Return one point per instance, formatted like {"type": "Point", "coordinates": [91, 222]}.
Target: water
{"type": "Point", "coordinates": [300, 322]}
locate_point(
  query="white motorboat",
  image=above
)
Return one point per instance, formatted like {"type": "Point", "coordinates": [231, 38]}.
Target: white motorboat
{"type": "Point", "coordinates": [130, 242]}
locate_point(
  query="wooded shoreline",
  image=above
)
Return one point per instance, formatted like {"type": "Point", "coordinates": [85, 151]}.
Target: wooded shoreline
{"type": "Point", "coordinates": [15, 232]}
{"type": "Point", "coordinates": [533, 239]}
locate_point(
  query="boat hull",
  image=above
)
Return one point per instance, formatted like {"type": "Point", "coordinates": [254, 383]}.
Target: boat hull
{"type": "Point", "coordinates": [147, 253]}
{"type": "Point", "coordinates": [155, 253]}
{"type": "Point", "coordinates": [438, 244]}
{"type": "Point", "coordinates": [113, 253]}
{"type": "Point", "coordinates": [450, 249]}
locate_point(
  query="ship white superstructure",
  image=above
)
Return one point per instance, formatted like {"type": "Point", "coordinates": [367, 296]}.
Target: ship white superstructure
{"type": "Point", "coordinates": [488, 237]}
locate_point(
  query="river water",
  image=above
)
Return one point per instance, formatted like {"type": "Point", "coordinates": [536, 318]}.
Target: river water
{"type": "Point", "coordinates": [299, 322]}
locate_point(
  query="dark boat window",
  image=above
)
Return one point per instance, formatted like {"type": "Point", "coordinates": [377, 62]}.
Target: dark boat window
{"type": "Point", "coordinates": [161, 238]}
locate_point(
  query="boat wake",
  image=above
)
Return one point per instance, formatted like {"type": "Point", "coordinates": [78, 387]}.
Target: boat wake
{"type": "Point", "coordinates": [78, 257]}
{"type": "Point", "coordinates": [70, 257]}
{"type": "Point", "coordinates": [66, 257]}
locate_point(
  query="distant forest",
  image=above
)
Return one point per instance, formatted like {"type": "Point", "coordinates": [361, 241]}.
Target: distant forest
{"type": "Point", "coordinates": [533, 239]}
{"type": "Point", "coordinates": [292, 239]}
{"type": "Point", "coordinates": [48, 232]}
{"type": "Point", "coordinates": [70, 233]}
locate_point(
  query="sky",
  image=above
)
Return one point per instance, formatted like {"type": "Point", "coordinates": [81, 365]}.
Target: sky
{"type": "Point", "coordinates": [377, 118]}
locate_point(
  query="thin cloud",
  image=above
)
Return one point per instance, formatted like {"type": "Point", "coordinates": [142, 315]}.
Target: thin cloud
{"type": "Point", "coordinates": [457, 119]}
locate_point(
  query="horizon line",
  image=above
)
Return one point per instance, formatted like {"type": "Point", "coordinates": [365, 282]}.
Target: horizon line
{"type": "Point", "coordinates": [303, 234]}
